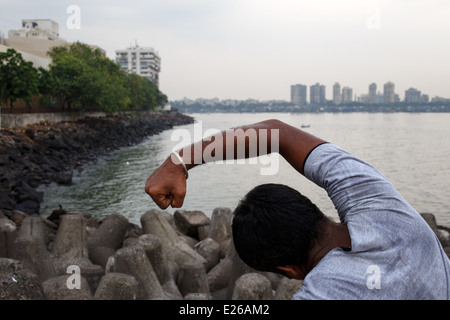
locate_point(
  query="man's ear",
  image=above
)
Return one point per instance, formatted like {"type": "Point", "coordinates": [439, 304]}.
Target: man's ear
{"type": "Point", "coordinates": [293, 271]}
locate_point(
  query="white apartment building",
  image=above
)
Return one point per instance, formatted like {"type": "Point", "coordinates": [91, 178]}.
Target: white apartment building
{"type": "Point", "coordinates": [37, 61]}
{"type": "Point", "coordinates": [298, 94]}
{"type": "Point", "coordinates": [45, 29]}
{"type": "Point", "coordinates": [347, 95]}
{"type": "Point", "coordinates": [143, 61]}
{"type": "Point", "coordinates": [337, 96]}
{"type": "Point", "coordinates": [389, 92]}
{"type": "Point", "coordinates": [372, 97]}
{"type": "Point", "coordinates": [413, 95]}
{"type": "Point", "coordinates": [317, 94]}
{"type": "Point", "coordinates": [34, 40]}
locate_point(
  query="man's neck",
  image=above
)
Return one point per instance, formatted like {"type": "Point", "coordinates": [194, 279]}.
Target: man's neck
{"type": "Point", "coordinates": [333, 235]}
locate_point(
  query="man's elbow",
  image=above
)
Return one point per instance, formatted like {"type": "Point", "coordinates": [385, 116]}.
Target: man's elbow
{"type": "Point", "coordinates": [273, 123]}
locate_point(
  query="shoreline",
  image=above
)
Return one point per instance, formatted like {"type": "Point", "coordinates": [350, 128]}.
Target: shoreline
{"type": "Point", "coordinates": [39, 154]}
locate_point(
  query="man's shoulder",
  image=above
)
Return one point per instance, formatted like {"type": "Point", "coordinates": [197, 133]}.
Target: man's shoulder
{"type": "Point", "coordinates": [331, 278]}
{"type": "Point", "coordinates": [379, 274]}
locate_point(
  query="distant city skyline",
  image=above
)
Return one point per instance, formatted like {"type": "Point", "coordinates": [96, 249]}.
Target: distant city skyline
{"type": "Point", "coordinates": [342, 95]}
{"type": "Point", "coordinates": [241, 49]}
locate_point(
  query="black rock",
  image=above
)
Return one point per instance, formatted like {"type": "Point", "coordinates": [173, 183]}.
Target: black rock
{"type": "Point", "coordinates": [64, 178]}
{"type": "Point", "coordinates": [25, 192]}
{"type": "Point", "coordinates": [30, 207]}
{"type": "Point", "coordinates": [6, 200]}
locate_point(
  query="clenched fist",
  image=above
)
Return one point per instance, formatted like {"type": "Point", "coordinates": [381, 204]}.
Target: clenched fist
{"type": "Point", "coordinates": [167, 185]}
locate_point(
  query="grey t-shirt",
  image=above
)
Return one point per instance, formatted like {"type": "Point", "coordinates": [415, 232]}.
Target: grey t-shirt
{"type": "Point", "coordinates": [394, 253]}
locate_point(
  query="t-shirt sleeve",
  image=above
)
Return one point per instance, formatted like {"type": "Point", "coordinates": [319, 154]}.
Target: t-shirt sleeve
{"type": "Point", "coordinates": [385, 232]}
{"type": "Point", "coordinates": [353, 185]}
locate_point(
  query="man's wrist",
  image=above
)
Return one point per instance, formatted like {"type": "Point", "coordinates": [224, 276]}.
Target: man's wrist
{"type": "Point", "coordinates": [178, 160]}
{"type": "Point", "coordinates": [188, 155]}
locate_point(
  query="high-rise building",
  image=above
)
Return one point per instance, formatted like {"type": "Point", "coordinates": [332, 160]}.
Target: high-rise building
{"type": "Point", "coordinates": [337, 97]}
{"type": "Point", "coordinates": [389, 92]}
{"type": "Point", "coordinates": [363, 98]}
{"type": "Point", "coordinates": [317, 94]}
{"type": "Point", "coordinates": [144, 61]}
{"type": "Point", "coordinates": [372, 97]}
{"type": "Point", "coordinates": [347, 95]}
{"type": "Point", "coordinates": [298, 94]}
{"type": "Point", "coordinates": [412, 95]}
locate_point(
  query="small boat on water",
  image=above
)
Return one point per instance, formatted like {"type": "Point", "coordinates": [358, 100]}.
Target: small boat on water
{"type": "Point", "coordinates": [306, 125]}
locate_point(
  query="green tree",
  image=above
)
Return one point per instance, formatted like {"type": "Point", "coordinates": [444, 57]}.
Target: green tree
{"type": "Point", "coordinates": [161, 98]}
{"type": "Point", "coordinates": [44, 81]}
{"type": "Point", "coordinates": [144, 94]}
{"type": "Point", "coordinates": [136, 89]}
{"type": "Point", "coordinates": [84, 79]}
{"type": "Point", "coordinates": [18, 78]}
{"type": "Point", "coordinates": [67, 72]}
{"type": "Point", "coordinates": [113, 94]}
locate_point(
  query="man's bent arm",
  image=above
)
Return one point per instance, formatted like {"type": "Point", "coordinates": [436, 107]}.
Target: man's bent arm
{"type": "Point", "coordinates": [167, 185]}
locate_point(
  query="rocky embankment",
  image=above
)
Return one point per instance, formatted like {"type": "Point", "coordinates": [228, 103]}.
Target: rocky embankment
{"type": "Point", "coordinates": [184, 256]}
{"type": "Point", "coordinates": [50, 152]}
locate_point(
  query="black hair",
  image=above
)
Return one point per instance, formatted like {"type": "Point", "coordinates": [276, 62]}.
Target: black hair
{"type": "Point", "coordinates": [275, 225]}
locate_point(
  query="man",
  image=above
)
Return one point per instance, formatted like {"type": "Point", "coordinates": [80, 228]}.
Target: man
{"type": "Point", "coordinates": [381, 249]}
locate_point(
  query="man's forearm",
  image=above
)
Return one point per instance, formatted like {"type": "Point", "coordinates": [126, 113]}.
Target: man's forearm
{"type": "Point", "coordinates": [167, 184]}
{"type": "Point", "coordinates": [250, 141]}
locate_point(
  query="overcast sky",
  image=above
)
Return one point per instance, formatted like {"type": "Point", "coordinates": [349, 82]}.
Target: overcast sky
{"type": "Point", "coordinates": [239, 49]}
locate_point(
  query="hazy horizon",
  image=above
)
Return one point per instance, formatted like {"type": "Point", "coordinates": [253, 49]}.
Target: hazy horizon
{"type": "Point", "coordinates": [240, 49]}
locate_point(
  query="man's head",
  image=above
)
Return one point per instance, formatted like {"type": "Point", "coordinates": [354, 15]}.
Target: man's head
{"type": "Point", "coordinates": [275, 225]}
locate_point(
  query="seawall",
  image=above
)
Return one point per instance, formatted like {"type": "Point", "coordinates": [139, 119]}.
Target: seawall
{"type": "Point", "coordinates": [23, 119]}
